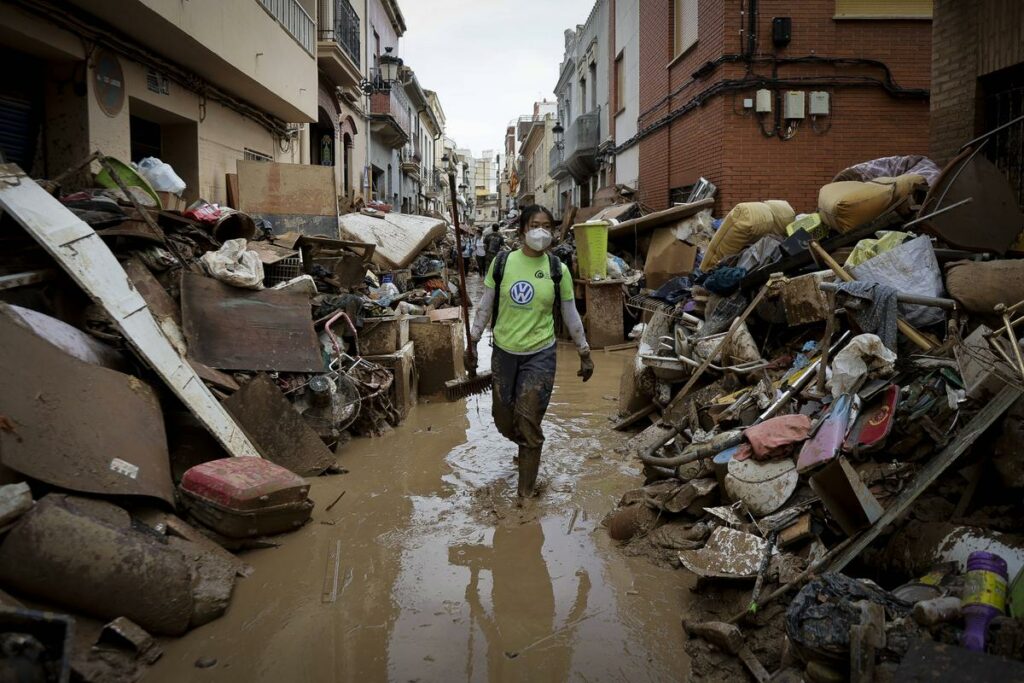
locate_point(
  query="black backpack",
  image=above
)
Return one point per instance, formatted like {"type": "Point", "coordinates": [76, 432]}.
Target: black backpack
{"type": "Point", "coordinates": [554, 266]}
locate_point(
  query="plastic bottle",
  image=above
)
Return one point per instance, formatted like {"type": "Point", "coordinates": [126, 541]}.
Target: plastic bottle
{"type": "Point", "coordinates": [984, 597]}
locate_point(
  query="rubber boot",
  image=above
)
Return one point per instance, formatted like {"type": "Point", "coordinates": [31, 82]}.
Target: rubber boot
{"type": "Point", "coordinates": [529, 465]}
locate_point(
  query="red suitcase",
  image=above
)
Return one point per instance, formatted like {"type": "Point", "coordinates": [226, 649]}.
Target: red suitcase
{"type": "Point", "coordinates": [242, 497]}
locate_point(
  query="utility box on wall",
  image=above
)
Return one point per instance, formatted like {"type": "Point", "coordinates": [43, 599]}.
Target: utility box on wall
{"type": "Point", "coordinates": [763, 101]}
{"type": "Point", "coordinates": [793, 104]}
{"type": "Point", "coordinates": [818, 105]}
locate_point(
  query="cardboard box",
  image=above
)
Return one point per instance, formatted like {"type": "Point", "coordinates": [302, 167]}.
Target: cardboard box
{"type": "Point", "coordinates": [383, 335]}
{"type": "Point", "coordinates": [404, 390]}
{"type": "Point", "coordinates": [439, 314]}
{"type": "Point", "coordinates": [667, 258]}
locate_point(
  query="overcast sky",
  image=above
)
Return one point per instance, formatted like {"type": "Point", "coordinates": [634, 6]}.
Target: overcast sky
{"type": "Point", "coordinates": [488, 60]}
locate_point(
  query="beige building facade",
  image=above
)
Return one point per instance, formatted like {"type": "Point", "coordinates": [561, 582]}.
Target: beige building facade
{"type": "Point", "coordinates": [201, 85]}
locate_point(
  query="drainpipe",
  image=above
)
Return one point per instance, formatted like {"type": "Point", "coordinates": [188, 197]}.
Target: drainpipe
{"type": "Point", "coordinates": [367, 174]}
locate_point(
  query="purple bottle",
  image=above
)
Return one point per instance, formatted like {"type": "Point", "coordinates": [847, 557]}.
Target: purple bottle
{"type": "Point", "coordinates": [984, 597]}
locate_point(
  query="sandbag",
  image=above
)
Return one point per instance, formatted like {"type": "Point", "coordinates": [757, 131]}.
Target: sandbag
{"type": "Point", "coordinates": [745, 224]}
{"type": "Point", "coordinates": [849, 204]}
{"type": "Point", "coordinates": [979, 286]}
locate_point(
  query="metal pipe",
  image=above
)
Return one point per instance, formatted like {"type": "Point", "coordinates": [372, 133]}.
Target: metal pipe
{"type": "Point", "coordinates": [935, 302]}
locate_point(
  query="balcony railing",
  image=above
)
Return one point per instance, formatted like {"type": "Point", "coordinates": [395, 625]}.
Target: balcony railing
{"type": "Point", "coordinates": [295, 20]}
{"type": "Point", "coordinates": [340, 23]}
{"type": "Point", "coordinates": [392, 102]}
{"type": "Point", "coordinates": [583, 135]}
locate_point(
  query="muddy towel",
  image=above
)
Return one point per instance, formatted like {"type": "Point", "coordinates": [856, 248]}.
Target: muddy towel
{"type": "Point", "coordinates": [776, 437]}
{"type": "Point", "coordinates": [879, 313]}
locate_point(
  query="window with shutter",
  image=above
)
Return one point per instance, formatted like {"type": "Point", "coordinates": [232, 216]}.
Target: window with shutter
{"type": "Point", "coordinates": [685, 25]}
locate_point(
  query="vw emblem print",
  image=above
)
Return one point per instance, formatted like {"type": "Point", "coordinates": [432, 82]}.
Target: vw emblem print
{"type": "Point", "coordinates": [521, 292]}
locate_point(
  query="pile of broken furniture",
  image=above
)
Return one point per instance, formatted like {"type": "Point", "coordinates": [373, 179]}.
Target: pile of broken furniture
{"type": "Point", "coordinates": [172, 374]}
{"type": "Point", "coordinates": [830, 423]}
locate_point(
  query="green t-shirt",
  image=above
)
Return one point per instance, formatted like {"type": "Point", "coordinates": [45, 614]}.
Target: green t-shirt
{"type": "Point", "coordinates": [526, 302]}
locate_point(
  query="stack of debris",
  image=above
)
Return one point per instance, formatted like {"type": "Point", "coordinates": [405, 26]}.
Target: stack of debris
{"type": "Point", "coordinates": [172, 375]}
{"type": "Point", "coordinates": [830, 393]}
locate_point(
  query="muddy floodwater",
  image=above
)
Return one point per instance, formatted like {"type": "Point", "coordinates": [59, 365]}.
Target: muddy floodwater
{"type": "Point", "coordinates": [440, 577]}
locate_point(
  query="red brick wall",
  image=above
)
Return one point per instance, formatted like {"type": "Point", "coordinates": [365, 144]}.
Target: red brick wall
{"type": "Point", "coordinates": [728, 148]}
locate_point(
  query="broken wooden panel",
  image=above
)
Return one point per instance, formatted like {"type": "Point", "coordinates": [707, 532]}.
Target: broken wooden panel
{"type": "Point", "coordinates": [290, 197]}
{"type": "Point", "coordinates": [160, 303]}
{"type": "Point", "coordinates": [76, 425]}
{"type": "Point", "coordinates": [399, 237]}
{"type": "Point", "coordinates": [277, 429]}
{"type": "Point", "coordinates": [604, 313]}
{"type": "Point", "coordinates": [235, 329]}
{"type": "Point", "coordinates": [90, 263]}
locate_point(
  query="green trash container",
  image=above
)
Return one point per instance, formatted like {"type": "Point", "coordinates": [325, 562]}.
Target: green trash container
{"type": "Point", "coordinates": [592, 249]}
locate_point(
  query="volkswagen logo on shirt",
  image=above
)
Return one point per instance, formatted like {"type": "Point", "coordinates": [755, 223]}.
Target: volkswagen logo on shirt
{"type": "Point", "coordinates": [521, 292]}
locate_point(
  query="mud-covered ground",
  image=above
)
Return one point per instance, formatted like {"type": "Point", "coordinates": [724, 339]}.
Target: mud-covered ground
{"type": "Point", "coordinates": [441, 577]}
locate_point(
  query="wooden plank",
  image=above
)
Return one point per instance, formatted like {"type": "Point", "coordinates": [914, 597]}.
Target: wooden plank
{"type": "Point", "coordinates": [296, 189]}
{"type": "Point", "coordinates": [29, 277]}
{"type": "Point", "coordinates": [231, 183]}
{"type": "Point", "coordinates": [229, 328]}
{"type": "Point", "coordinates": [604, 314]}
{"type": "Point", "coordinates": [91, 264]}
{"type": "Point", "coordinates": [991, 412]}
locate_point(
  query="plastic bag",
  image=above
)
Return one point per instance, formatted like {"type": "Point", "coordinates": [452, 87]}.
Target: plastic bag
{"type": "Point", "coordinates": [235, 265]}
{"type": "Point", "coordinates": [865, 353]}
{"type": "Point", "coordinates": [910, 268]}
{"type": "Point", "coordinates": [161, 176]}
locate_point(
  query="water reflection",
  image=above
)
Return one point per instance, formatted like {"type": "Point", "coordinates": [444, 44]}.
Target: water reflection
{"type": "Point", "coordinates": [522, 613]}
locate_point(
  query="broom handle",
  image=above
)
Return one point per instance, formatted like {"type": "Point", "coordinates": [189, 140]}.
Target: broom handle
{"type": "Point", "coordinates": [464, 295]}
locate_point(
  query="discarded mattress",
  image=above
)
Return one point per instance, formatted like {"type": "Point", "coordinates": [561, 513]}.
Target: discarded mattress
{"type": "Point", "coordinates": [399, 237]}
{"type": "Point", "coordinates": [889, 167]}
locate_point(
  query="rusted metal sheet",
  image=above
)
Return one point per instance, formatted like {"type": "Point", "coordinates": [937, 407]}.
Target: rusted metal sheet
{"type": "Point", "coordinates": [76, 425]}
{"type": "Point", "coordinates": [277, 429]}
{"type": "Point", "coordinates": [235, 329]}
{"type": "Point", "coordinates": [67, 338]}
{"type": "Point", "coordinates": [90, 263]}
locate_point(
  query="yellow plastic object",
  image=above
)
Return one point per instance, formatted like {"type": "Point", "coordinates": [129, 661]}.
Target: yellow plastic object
{"type": "Point", "coordinates": [129, 176]}
{"type": "Point", "coordinates": [870, 248]}
{"type": "Point", "coordinates": [812, 224]}
{"type": "Point", "coordinates": [592, 249]}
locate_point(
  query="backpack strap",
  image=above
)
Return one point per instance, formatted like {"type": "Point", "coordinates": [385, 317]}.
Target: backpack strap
{"type": "Point", "coordinates": [496, 274]}
{"type": "Point", "coordinates": [555, 269]}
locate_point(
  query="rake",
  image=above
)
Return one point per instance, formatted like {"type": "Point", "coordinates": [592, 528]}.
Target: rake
{"type": "Point", "coordinates": [473, 383]}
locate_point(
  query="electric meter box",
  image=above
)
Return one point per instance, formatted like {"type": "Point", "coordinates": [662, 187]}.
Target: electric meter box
{"type": "Point", "coordinates": [763, 101]}
{"type": "Point", "coordinates": [793, 104]}
{"type": "Point", "coordinates": [818, 104]}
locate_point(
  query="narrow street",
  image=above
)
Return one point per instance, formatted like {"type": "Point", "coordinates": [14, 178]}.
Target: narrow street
{"type": "Point", "coordinates": [442, 577]}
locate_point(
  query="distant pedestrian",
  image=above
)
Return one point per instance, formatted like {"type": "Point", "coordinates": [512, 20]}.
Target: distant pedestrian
{"type": "Point", "coordinates": [480, 253]}
{"type": "Point", "coordinates": [468, 247]}
{"type": "Point", "coordinates": [493, 242]}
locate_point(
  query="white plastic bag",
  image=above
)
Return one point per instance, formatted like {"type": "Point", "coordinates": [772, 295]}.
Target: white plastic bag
{"type": "Point", "coordinates": [865, 353]}
{"type": "Point", "coordinates": [161, 176]}
{"type": "Point", "coordinates": [235, 265]}
{"type": "Point", "coordinates": [910, 268]}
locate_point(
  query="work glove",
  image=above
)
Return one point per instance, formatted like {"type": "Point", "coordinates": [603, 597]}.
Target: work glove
{"type": "Point", "coordinates": [586, 366]}
{"type": "Point", "coordinates": [469, 358]}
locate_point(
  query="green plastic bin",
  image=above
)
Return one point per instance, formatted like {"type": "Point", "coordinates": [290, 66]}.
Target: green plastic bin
{"type": "Point", "coordinates": [592, 249]}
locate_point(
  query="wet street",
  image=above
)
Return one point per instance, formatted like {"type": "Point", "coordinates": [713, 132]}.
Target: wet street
{"type": "Point", "coordinates": [441, 577]}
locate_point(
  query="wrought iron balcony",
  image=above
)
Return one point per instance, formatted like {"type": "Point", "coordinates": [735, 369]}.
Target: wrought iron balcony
{"type": "Point", "coordinates": [582, 138]}
{"type": "Point", "coordinates": [338, 45]}
{"type": "Point", "coordinates": [294, 19]}
{"type": "Point", "coordinates": [390, 113]}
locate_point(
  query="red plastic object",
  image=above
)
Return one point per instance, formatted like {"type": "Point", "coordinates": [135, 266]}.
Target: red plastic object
{"type": "Point", "coordinates": [874, 423]}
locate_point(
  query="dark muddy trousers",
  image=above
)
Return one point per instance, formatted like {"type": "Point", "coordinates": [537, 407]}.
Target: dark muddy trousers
{"type": "Point", "coordinates": [521, 392]}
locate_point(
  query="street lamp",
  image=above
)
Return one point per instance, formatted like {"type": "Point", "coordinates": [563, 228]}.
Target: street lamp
{"type": "Point", "coordinates": [387, 73]}
{"type": "Point", "coordinates": [558, 132]}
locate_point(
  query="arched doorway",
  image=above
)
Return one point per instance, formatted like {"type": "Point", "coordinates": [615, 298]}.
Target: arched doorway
{"type": "Point", "coordinates": [348, 134]}
{"type": "Point", "coordinates": [322, 139]}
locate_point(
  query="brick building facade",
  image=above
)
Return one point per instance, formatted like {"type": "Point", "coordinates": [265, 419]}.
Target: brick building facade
{"type": "Point", "coordinates": [693, 122]}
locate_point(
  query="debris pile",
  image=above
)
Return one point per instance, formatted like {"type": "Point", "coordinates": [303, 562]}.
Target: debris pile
{"type": "Point", "coordinates": [829, 412]}
{"type": "Point", "coordinates": [173, 373]}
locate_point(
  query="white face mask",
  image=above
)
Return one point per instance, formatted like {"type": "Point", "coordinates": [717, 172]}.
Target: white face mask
{"type": "Point", "coordinates": [538, 239]}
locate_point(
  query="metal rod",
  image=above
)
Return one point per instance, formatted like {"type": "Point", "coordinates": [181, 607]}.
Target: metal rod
{"type": "Point", "coordinates": [935, 302]}
{"type": "Point", "coordinates": [985, 136]}
{"type": "Point", "coordinates": [937, 212]}
{"type": "Point", "coordinates": [463, 294]}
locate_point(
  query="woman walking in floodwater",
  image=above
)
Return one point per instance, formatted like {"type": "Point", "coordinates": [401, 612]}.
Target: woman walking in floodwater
{"type": "Point", "coordinates": [529, 283]}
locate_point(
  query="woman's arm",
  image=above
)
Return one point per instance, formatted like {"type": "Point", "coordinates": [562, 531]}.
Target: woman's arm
{"type": "Point", "coordinates": [572, 320]}
{"type": "Point", "coordinates": [483, 314]}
